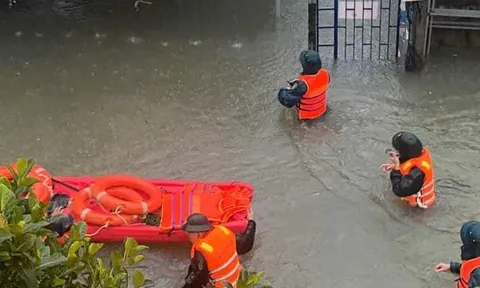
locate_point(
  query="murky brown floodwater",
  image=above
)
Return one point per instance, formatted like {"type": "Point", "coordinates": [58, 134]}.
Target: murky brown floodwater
{"type": "Point", "coordinates": [190, 93]}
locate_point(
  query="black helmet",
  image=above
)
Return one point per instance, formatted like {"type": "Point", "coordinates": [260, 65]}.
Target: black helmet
{"type": "Point", "coordinates": [470, 235]}
{"type": "Point", "coordinates": [197, 222]}
{"type": "Point", "coordinates": [311, 62]}
{"type": "Point", "coordinates": [407, 144]}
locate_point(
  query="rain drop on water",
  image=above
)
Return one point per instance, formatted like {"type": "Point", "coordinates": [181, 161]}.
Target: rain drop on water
{"type": "Point", "coordinates": [135, 40]}
{"type": "Point", "coordinates": [195, 42]}
{"type": "Point", "coordinates": [100, 35]}
{"type": "Point", "coordinates": [237, 45]}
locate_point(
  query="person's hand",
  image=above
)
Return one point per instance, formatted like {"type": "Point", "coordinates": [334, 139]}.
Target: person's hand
{"type": "Point", "coordinates": [442, 267]}
{"type": "Point", "coordinates": [292, 84]}
{"type": "Point", "coordinates": [387, 167]}
{"type": "Point", "coordinates": [250, 214]}
{"type": "Point", "coordinates": [57, 211]}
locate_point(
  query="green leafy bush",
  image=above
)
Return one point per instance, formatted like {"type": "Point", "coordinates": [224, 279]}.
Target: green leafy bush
{"type": "Point", "coordinates": [30, 255]}
{"type": "Point", "coordinates": [250, 280]}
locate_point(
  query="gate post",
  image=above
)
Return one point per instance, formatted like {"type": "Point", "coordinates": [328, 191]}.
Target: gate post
{"type": "Point", "coordinates": [335, 29]}
{"type": "Point", "coordinates": [312, 25]}
{"type": "Point", "coordinates": [278, 11]}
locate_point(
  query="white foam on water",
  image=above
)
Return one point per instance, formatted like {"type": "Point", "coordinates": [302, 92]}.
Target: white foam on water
{"type": "Point", "coordinates": [195, 42]}
{"type": "Point", "coordinates": [237, 45]}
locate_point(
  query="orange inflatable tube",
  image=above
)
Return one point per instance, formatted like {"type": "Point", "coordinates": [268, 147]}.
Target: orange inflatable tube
{"type": "Point", "coordinates": [42, 189]}
{"type": "Point", "coordinates": [96, 218]}
{"type": "Point", "coordinates": [99, 190]}
{"type": "Point", "coordinates": [125, 193]}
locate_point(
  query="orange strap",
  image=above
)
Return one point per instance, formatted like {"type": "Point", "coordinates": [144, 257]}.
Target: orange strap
{"type": "Point", "coordinates": [235, 201]}
{"type": "Point", "coordinates": [216, 204]}
{"type": "Point", "coordinates": [176, 207]}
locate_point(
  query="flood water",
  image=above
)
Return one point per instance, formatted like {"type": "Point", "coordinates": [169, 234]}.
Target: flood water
{"type": "Point", "coordinates": [187, 90]}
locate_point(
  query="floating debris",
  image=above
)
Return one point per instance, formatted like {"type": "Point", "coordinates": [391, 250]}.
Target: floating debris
{"type": "Point", "coordinates": [135, 40]}
{"type": "Point", "coordinates": [195, 42]}
{"type": "Point", "coordinates": [11, 3]}
{"type": "Point", "coordinates": [100, 35]}
{"type": "Point", "coordinates": [136, 5]}
{"type": "Point", "coordinates": [237, 45]}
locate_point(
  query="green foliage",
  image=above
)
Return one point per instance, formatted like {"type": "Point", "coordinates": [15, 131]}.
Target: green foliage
{"type": "Point", "coordinates": [250, 280]}
{"type": "Point", "coordinates": [30, 255]}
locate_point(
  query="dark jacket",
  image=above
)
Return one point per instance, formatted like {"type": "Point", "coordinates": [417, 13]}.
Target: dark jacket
{"type": "Point", "coordinates": [311, 64]}
{"type": "Point", "coordinates": [198, 275]}
{"type": "Point", "coordinates": [63, 223]}
{"type": "Point", "coordinates": [470, 236]}
{"type": "Point", "coordinates": [408, 146]}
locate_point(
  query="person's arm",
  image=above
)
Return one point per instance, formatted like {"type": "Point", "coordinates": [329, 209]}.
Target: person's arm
{"type": "Point", "coordinates": [455, 267]}
{"type": "Point", "coordinates": [246, 240]}
{"type": "Point", "coordinates": [197, 272]}
{"type": "Point", "coordinates": [62, 225]}
{"type": "Point", "coordinates": [407, 185]}
{"type": "Point", "coordinates": [290, 96]}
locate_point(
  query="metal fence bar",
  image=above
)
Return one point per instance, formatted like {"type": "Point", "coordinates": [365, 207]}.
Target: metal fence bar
{"type": "Point", "coordinates": [370, 15]}
{"type": "Point", "coordinates": [312, 24]}
{"type": "Point", "coordinates": [363, 23]}
{"type": "Point", "coordinates": [371, 29]}
{"type": "Point", "coordinates": [335, 30]}
{"type": "Point", "coordinates": [345, 47]}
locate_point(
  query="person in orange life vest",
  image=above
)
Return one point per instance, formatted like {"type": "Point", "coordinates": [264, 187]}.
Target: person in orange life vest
{"type": "Point", "coordinates": [411, 170]}
{"type": "Point", "coordinates": [215, 250]}
{"type": "Point", "coordinates": [309, 92]}
{"type": "Point", "coordinates": [469, 268]}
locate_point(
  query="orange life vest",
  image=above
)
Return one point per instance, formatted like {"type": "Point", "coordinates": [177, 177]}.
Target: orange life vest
{"type": "Point", "coordinates": [60, 239]}
{"type": "Point", "coordinates": [314, 103]}
{"type": "Point", "coordinates": [466, 270]}
{"type": "Point", "coordinates": [426, 196]}
{"type": "Point", "coordinates": [220, 251]}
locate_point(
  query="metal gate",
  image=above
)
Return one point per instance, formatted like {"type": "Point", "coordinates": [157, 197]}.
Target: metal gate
{"type": "Point", "coordinates": [354, 29]}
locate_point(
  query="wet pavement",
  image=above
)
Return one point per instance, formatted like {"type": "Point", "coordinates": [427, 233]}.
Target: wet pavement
{"type": "Point", "coordinates": [188, 91]}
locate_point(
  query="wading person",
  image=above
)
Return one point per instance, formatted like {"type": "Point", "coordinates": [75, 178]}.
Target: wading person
{"type": "Point", "coordinates": [469, 268]}
{"type": "Point", "coordinates": [411, 170]}
{"type": "Point", "coordinates": [309, 92]}
{"type": "Point", "coordinates": [214, 255]}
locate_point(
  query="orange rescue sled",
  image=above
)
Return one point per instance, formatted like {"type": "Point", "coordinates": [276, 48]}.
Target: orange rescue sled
{"type": "Point", "coordinates": [116, 206]}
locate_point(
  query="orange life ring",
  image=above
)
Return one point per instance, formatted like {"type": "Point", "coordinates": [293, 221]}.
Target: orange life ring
{"type": "Point", "coordinates": [100, 187]}
{"type": "Point", "coordinates": [92, 217]}
{"type": "Point", "coordinates": [43, 189]}
{"type": "Point", "coordinates": [125, 193]}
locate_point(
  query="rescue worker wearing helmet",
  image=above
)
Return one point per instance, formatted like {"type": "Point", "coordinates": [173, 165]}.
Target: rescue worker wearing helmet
{"type": "Point", "coordinates": [411, 170]}
{"type": "Point", "coordinates": [469, 268]}
{"type": "Point", "coordinates": [214, 255]}
{"type": "Point", "coordinates": [309, 92]}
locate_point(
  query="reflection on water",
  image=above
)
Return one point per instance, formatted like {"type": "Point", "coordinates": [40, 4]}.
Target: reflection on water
{"type": "Point", "coordinates": [186, 90]}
